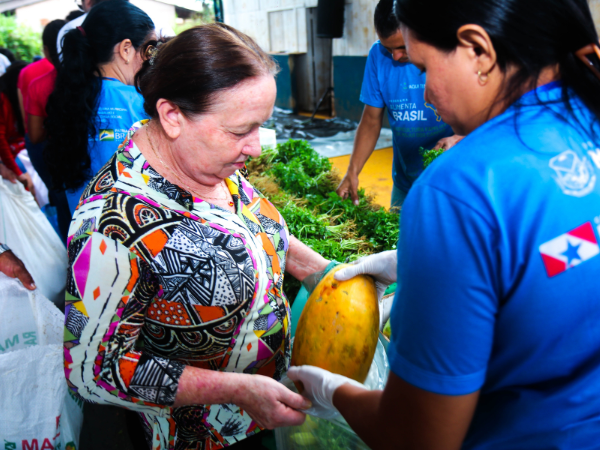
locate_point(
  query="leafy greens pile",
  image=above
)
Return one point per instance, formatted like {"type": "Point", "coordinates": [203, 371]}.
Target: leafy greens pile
{"type": "Point", "coordinates": [301, 184]}
{"type": "Point", "coordinates": [430, 155]}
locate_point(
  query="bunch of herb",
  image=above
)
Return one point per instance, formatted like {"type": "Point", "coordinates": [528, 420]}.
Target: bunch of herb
{"type": "Point", "coordinates": [301, 184]}
{"type": "Point", "coordinates": [430, 155]}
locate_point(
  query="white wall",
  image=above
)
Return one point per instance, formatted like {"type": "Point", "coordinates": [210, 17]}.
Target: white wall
{"type": "Point", "coordinates": [276, 25]}
{"type": "Point", "coordinates": [359, 32]}
{"type": "Point", "coordinates": [162, 14]}
{"type": "Point", "coordinates": [39, 14]}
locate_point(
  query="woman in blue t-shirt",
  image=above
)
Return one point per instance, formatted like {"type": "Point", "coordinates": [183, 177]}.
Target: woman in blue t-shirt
{"type": "Point", "coordinates": [495, 325]}
{"type": "Point", "coordinates": [94, 101]}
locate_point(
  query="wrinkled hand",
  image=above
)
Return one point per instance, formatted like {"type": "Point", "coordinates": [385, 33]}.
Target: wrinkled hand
{"type": "Point", "coordinates": [319, 387]}
{"type": "Point", "coordinates": [448, 142]}
{"type": "Point", "coordinates": [13, 267]}
{"type": "Point", "coordinates": [349, 187]}
{"type": "Point", "coordinates": [271, 404]}
{"type": "Point", "coordinates": [7, 174]}
{"type": "Point", "coordinates": [382, 266]}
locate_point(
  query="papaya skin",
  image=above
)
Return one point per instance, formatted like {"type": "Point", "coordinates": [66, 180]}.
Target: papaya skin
{"type": "Point", "coordinates": [339, 326]}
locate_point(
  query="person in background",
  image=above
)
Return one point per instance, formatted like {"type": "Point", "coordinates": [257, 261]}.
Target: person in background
{"type": "Point", "coordinates": [4, 63]}
{"type": "Point", "coordinates": [13, 267]}
{"type": "Point", "coordinates": [94, 101]}
{"type": "Point", "coordinates": [11, 123]}
{"type": "Point", "coordinates": [35, 111]}
{"type": "Point", "coordinates": [161, 29]}
{"type": "Point", "coordinates": [495, 338]}
{"type": "Point", "coordinates": [70, 17]}
{"type": "Point", "coordinates": [6, 59]}
{"type": "Point", "coordinates": [9, 55]}
{"type": "Point", "coordinates": [392, 82]}
{"type": "Point", "coordinates": [31, 72]}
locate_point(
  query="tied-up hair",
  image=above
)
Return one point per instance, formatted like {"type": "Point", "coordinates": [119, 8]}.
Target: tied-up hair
{"type": "Point", "coordinates": [191, 69]}
{"type": "Point", "coordinates": [73, 106]}
{"type": "Point", "coordinates": [528, 35]}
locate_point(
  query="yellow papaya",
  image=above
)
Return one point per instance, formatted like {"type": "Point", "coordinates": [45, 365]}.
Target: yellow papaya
{"type": "Point", "coordinates": [338, 328]}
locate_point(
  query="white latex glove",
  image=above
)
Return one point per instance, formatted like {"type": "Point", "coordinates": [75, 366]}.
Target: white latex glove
{"type": "Point", "coordinates": [319, 386]}
{"type": "Point", "coordinates": [381, 266]}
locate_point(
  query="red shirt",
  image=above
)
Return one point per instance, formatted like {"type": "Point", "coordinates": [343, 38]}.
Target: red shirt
{"type": "Point", "coordinates": [30, 73]}
{"type": "Point", "coordinates": [11, 142]}
{"type": "Point", "coordinates": [39, 91]}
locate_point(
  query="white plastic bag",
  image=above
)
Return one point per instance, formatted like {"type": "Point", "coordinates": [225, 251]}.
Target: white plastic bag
{"type": "Point", "coordinates": [38, 411]}
{"type": "Point", "coordinates": [323, 434]}
{"type": "Point", "coordinates": [41, 191]}
{"type": "Point", "coordinates": [25, 229]}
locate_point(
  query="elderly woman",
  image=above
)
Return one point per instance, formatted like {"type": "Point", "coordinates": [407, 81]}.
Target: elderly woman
{"type": "Point", "coordinates": [175, 306]}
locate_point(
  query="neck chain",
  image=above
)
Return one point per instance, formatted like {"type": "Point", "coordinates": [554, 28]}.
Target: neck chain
{"type": "Point", "coordinates": [177, 176]}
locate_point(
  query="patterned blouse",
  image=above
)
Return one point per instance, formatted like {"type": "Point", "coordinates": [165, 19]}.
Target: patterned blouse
{"type": "Point", "coordinates": [159, 280]}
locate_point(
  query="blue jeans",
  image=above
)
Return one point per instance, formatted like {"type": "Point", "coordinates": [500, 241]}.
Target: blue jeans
{"type": "Point", "coordinates": [398, 197]}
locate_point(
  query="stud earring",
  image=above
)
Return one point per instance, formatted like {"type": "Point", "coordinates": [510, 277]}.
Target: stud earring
{"type": "Point", "coordinates": [483, 78]}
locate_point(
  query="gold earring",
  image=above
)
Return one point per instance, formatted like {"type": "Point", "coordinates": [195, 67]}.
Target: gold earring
{"type": "Point", "coordinates": [481, 76]}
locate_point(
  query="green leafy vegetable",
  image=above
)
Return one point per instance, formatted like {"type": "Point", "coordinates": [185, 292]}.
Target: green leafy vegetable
{"type": "Point", "coordinates": [302, 184]}
{"type": "Point", "coordinates": [430, 155]}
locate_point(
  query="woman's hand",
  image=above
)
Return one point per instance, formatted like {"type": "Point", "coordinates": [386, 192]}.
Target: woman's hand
{"type": "Point", "coordinates": [13, 267]}
{"type": "Point", "coordinates": [270, 403]}
{"type": "Point", "coordinates": [7, 174]}
{"type": "Point", "coordinates": [25, 178]}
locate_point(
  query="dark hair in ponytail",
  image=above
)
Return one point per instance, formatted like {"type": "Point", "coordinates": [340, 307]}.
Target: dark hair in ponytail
{"type": "Point", "coordinates": [72, 107]}
{"type": "Point", "coordinates": [8, 86]}
{"type": "Point", "coordinates": [527, 34]}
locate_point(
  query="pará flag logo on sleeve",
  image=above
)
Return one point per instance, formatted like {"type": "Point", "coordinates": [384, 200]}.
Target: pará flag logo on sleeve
{"type": "Point", "coordinates": [570, 249]}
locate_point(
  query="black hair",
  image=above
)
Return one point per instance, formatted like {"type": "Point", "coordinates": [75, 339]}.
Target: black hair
{"type": "Point", "coordinates": [72, 106]}
{"type": "Point", "coordinates": [74, 15]}
{"type": "Point", "coordinates": [49, 37]}
{"type": "Point", "coordinates": [10, 55]}
{"type": "Point", "coordinates": [192, 68]}
{"type": "Point", "coordinates": [8, 86]}
{"type": "Point", "coordinates": [386, 22]}
{"type": "Point", "coordinates": [529, 35]}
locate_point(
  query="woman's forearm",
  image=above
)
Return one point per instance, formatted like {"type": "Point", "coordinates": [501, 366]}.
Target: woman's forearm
{"type": "Point", "coordinates": [302, 260]}
{"type": "Point", "coordinates": [207, 387]}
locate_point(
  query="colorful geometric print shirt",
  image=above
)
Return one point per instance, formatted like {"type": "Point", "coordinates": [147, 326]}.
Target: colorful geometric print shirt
{"type": "Point", "coordinates": [159, 280]}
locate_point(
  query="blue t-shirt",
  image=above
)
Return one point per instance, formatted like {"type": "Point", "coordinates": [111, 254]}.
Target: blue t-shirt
{"type": "Point", "coordinates": [400, 87]}
{"type": "Point", "coordinates": [499, 269]}
{"type": "Point", "coordinates": [119, 106]}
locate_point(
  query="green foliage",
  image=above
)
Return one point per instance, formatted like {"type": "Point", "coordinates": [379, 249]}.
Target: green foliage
{"type": "Point", "coordinates": [305, 195]}
{"type": "Point", "coordinates": [430, 155]}
{"type": "Point", "coordinates": [207, 15]}
{"type": "Point", "coordinates": [19, 39]}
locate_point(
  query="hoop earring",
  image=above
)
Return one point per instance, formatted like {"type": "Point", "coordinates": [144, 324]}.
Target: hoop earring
{"type": "Point", "coordinates": [481, 76]}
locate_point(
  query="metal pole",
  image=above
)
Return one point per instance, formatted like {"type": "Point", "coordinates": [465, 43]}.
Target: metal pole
{"type": "Point", "coordinates": [218, 7]}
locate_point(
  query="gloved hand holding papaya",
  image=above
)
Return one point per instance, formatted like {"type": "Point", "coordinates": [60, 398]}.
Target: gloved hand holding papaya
{"type": "Point", "coordinates": [324, 313]}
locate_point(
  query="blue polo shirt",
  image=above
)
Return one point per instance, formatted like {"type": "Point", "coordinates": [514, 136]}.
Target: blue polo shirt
{"type": "Point", "coordinates": [499, 271]}
{"type": "Point", "coordinates": [400, 87]}
{"type": "Point", "coordinates": [119, 107]}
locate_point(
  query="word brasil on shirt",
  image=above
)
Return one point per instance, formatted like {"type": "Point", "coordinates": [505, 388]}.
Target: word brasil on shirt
{"type": "Point", "coordinates": [399, 112]}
